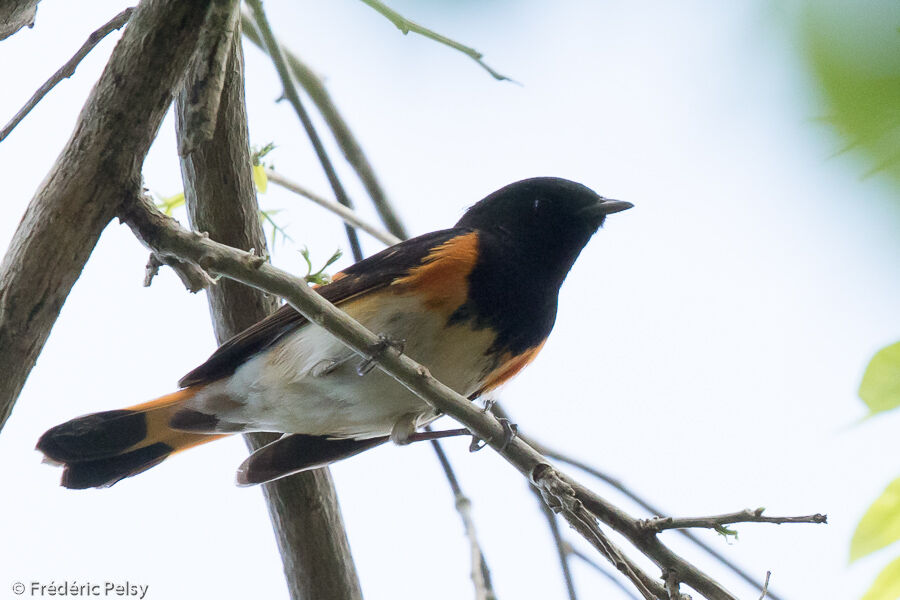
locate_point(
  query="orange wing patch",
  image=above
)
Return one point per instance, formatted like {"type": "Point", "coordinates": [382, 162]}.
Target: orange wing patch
{"type": "Point", "coordinates": [442, 280]}
{"type": "Point", "coordinates": [508, 368]}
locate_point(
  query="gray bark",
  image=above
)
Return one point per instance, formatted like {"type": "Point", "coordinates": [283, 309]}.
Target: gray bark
{"type": "Point", "coordinates": [221, 201]}
{"type": "Point", "coordinates": [16, 14]}
{"type": "Point", "coordinates": [98, 167]}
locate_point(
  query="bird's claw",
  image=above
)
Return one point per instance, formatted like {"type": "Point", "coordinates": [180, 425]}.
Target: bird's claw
{"type": "Point", "coordinates": [384, 342]}
{"type": "Point", "coordinates": [510, 430]}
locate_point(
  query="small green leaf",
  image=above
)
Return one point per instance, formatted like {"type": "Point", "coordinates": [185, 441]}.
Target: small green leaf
{"type": "Point", "coordinates": [880, 526]}
{"type": "Point", "coordinates": [887, 585]}
{"type": "Point", "coordinates": [260, 178]}
{"type": "Point", "coordinates": [256, 154]}
{"type": "Point", "coordinates": [168, 205]}
{"type": "Point", "coordinates": [320, 277]}
{"type": "Point", "coordinates": [880, 387]}
{"type": "Point", "coordinates": [726, 531]}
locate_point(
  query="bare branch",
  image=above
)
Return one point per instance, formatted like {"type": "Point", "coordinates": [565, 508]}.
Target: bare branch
{"type": "Point", "coordinates": [68, 69]}
{"type": "Point", "coordinates": [765, 587]}
{"type": "Point", "coordinates": [79, 196]}
{"type": "Point", "coordinates": [348, 215]}
{"type": "Point", "coordinates": [290, 92]}
{"type": "Point", "coordinates": [353, 152]}
{"type": "Point", "coordinates": [163, 235]}
{"type": "Point", "coordinates": [640, 501]}
{"type": "Point", "coordinates": [561, 498]}
{"type": "Point", "coordinates": [717, 521]}
{"type": "Point", "coordinates": [193, 277]}
{"type": "Point", "coordinates": [406, 26]}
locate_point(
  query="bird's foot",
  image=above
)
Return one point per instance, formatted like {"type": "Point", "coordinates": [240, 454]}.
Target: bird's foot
{"type": "Point", "coordinates": [510, 430]}
{"type": "Point", "coordinates": [384, 342]}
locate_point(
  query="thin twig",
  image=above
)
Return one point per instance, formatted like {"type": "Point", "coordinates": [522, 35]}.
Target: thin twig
{"type": "Point", "coordinates": [572, 551]}
{"type": "Point", "coordinates": [290, 92]}
{"type": "Point", "coordinates": [68, 69]}
{"type": "Point", "coordinates": [193, 277]}
{"type": "Point", "coordinates": [747, 515]}
{"type": "Point", "coordinates": [406, 26]}
{"type": "Point", "coordinates": [353, 152]}
{"type": "Point", "coordinates": [672, 585]}
{"type": "Point", "coordinates": [561, 498]}
{"type": "Point", "coordinates": [348, 215]}
{"type": "Point", "coordinates": [481, 575]}
{"type": "Point", "coordinates": [563, 548]}
{"type": "Point", "coordinates": [640, 501]}
{"type": "Point", "coordinates": [765, 587]}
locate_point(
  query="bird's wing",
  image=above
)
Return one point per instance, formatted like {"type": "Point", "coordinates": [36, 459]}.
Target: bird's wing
{"type": "Point", "coordinates": [373, 273]}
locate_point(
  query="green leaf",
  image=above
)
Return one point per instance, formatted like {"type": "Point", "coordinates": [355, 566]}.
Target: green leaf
{"type": "Point", "coordinates": [887, 585]}
{"type": "Point", "coordinates": [880, 525]}
{"type": "Point", "coordinates": [726, 531]}
{"type": "Point", "coordinates": [880, 387]}
{"type": "Point", "coordinates": [854, 53]}
{"type": "Point", "coordinates": [260, 178]}
{"type": "Point", "coordinates": [320, 277]}
{"type": "Point", "coordinates": [257, 154]}
{"type": "Point", "coordinates": [168, 205]}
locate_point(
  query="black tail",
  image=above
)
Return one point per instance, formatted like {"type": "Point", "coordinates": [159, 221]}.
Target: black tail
{"type": "Point", "coordinates": [100, 449]}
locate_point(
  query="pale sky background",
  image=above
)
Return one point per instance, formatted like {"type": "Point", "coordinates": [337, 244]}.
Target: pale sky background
{"type": "Point", "coordinates": [709, 342]}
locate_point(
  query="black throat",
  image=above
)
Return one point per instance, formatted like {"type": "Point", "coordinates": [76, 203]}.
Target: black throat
{"type": "Point", "coordinates": [514, 290]}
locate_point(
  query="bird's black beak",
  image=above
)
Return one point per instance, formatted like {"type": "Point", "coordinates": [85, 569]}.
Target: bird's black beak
{"type": "Point", "coordinates": [605, 206]}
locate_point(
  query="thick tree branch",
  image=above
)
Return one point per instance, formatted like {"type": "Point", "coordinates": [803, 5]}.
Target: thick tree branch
{"type": "Point", "coordinates": [67, 70]}
{"type": "Point", "coordinates": [98, 166]}
{"type": "Point", "coordinates": [353, 152]}
{"type": "Point", "coordinates": [221, 200]}
{"type": "Point", "coordinates": [290, 92]}
{"type": "Point", "coordinates": [164, 236]}
{"type": "Point", "coordinates": [200, 109]}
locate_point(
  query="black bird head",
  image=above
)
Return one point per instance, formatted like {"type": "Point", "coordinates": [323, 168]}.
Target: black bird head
{"type": "Point", "coordinates": [529, 235]}
{"type": "Point", "coordinates": [546, 220]}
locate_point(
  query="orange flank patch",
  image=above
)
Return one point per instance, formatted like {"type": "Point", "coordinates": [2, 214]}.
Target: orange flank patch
{"type": "Point", "coordinates": [442, 278]}
{"type": "Point", "coordinates": [509, 367]}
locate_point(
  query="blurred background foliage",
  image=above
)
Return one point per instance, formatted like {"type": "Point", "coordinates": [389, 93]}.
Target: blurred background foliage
{"type": "Point", "coordinates": [853, 52]}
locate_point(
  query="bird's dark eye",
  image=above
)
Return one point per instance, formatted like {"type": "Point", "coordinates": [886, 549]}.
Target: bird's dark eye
{"type": "Point", "coordinates": [503, 230]}
{"type": "Point", "coordinates": [537, 202]}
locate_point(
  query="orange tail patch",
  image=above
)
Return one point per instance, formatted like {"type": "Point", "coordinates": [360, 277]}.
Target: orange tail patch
{"type": "Point", "coordinates": [99, 449]}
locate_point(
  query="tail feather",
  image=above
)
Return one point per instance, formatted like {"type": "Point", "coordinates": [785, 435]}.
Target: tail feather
{"type": "Point", "coordinates": [297, 452]}
{"type": "Point", "coordinates": [99, 449]}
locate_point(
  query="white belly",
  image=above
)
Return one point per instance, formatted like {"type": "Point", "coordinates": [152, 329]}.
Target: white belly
{"type": "Point", "coordinates": [310, 382]}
